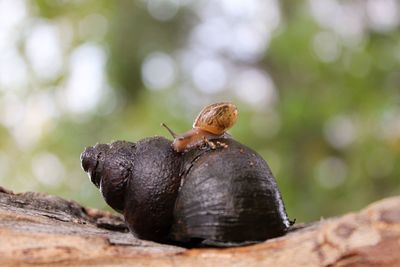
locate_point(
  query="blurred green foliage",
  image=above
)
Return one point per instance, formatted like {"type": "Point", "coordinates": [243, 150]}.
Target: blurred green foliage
{"type": "Point", "coordinates": [328, 125]}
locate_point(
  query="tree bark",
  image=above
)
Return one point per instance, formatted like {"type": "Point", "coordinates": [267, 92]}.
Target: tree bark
{"type": "Point", "coordinates": [39, 229]}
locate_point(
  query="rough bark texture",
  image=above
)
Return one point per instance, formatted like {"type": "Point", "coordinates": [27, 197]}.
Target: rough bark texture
{"type": "Point", "coordinates": [38, 229]}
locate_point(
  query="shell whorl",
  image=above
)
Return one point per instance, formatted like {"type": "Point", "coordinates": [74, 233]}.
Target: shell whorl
{"type": "Point", "coordinates": [216, 118]}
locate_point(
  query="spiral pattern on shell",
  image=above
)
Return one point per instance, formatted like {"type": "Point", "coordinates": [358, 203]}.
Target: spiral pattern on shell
{"type": "Point", "coordinates": [221, 196]}
{"type": "Point", "coordinates": [216, 118]}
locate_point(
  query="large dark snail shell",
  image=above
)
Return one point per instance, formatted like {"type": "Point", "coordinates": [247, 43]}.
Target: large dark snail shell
{"type": "Point", "coordinates": [220, 195]}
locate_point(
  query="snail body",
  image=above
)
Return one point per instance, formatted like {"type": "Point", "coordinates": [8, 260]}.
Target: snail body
{"type": "Point", "coordinates": [223, 196]}
{"type": "Point", "coordinates": [211, 123]}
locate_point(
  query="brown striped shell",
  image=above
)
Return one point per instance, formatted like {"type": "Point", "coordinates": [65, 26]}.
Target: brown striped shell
{"type": "Point", "coordinates": [216, 118]}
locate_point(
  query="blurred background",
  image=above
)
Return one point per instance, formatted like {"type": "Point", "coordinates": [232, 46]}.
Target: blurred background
{"type": "Point", "coordinates": [317, 84]}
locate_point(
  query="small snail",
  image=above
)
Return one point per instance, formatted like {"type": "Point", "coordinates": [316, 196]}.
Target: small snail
{"type": "Point", "coordinates": [226, 196]}
{"type": "Point", "coordinates": [211, 123]}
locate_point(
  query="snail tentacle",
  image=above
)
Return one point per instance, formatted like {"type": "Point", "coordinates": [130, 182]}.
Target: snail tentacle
{"type": "Point", "coordinates": [174, 135]}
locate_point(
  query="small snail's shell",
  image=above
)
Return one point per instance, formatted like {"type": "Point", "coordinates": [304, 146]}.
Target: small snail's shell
{"type": "Point", "coordinates": [228, 195]}
{"type": "Point", "coordinates": [216, 118]}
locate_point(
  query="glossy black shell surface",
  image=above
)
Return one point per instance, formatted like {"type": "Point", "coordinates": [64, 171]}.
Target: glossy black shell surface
{"type": "Point", "coordinates": [228, 194]}
{"type": "Point", "coordinates": [211, 195]}
{"type": "Point", "coordinates": [152, 191]}
{"type": "Point", "coordinates": [110, 167]}
{"type": "Point", "coordinates": [140, 180]}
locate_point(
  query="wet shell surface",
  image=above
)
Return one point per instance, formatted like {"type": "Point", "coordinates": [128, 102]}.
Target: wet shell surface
{"type": "Point", "coordinates": [228, 195]}
{"type": "Point", "coordinates": [221, 193]}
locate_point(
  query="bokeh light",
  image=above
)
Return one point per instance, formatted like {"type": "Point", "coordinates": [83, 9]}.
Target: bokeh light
{"type": "Point", "coordinates": [158, 71]}
{"type": "Point", "coordinates": [43, 50]}
{"type": "Point", "coordinates": [86, 81]}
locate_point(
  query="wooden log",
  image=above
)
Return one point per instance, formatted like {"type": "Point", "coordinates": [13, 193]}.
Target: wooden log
{"type": "Point", "coordinates": [39, 229]}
